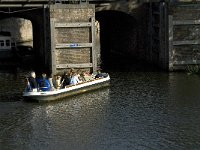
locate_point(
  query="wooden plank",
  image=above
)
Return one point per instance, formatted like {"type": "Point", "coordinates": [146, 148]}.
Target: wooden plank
{"type": "Point", "coordinates": [150, 31]}
{"type": "Point", "coordinates": [23, 5]}
{"type": "Point", "coordinates": [73, 25]}
{"type": "Point", "coordinates": [186, 42]}
{"type": "Point", "coordinates": [186, 22]}
{"type": "Point", "coordinates": [187, 62]}
{"type": "Point", "coordinates": [73, 45]}
{"type": "Point", "coordinates": [53, 55]}
{"type": "Point", "coordinates": [83, 65]}
{"type": "Point", "coordinates": [170, 33]}
{"type": "Point", "coordinates": [166, 54]}
{"type": "Point", "coordinates": [94, 57]}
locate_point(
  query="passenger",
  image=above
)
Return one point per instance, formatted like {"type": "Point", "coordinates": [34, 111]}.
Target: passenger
{"type": "Point", "coordinates": [65, 80]}
{"type": "Point", "coordinates": [57, 82]}
{"type": "Point", "coordinates": [88, 76]}
{"type": "Point", "coordinates": [80, 75]}
{"type": "Point", "coordinates": [74, 79]}
{"type": "Point", "coordinates": [78, 72]}
{"type": "Point", "coordinates": [44, 83]}
{"type": "Point", "coordinates": [31, 82]}
{"type": "Point", "coordinates": [51, 83]}
{"type": "Point", "coordinates": [100, 75]}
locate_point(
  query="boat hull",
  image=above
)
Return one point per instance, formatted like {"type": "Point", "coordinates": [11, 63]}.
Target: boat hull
{"type": "Point", "coordinates": [77, 89]}
{"type": "Point", "coordinates": [4, 54]}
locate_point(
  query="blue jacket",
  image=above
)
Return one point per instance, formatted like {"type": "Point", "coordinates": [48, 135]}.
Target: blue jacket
{"type": "Point", "coordinates": [44, 84]}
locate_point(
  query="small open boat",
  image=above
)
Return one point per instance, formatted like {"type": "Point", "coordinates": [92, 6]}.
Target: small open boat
{"type": "Point", "coordinates": [68, 91]}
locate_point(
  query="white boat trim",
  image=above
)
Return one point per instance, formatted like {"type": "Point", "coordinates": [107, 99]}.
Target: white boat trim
{"type": "Point", "coordinates": [41, 95]}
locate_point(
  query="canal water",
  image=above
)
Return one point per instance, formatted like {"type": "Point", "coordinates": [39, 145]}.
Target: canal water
{"type": "Point", "coordinates": [141, 110]}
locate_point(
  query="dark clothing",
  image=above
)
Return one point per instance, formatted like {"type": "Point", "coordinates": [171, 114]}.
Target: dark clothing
{"type": "Point", "coordinates": [101, 75]}
{"type": "Point", "coordinates": [65, 80]}
{"type": "Point", "coordinates": [32, 82]}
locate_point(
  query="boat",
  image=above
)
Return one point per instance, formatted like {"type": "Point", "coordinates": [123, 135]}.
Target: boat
{"type": "Point", "coordinates": [7, 45]}
{"type": "Point", "coordinates": [46, 96]}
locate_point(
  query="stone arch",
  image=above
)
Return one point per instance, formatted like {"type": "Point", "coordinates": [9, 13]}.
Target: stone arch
{"type": "Point", "coordinates": [39, 18]}
{"type": "Point", "coordinates": [20, 29]}
{"type": "Point", "coordinates": [118, 34]}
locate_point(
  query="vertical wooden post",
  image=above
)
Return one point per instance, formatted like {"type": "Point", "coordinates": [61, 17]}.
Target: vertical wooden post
{"type": "Point", "coordinates": [170, 28]}
{"type": "Point", "coordinates": [94, 58]}
{"type": "Point", "coordinates": [166, 54]}
{"type": "Point", "coordinates": [160, 52]}
{"type": "Point", "coordinates": [53, 56]}
{"type": "Point", "coordinates": [163, 35]}
{"type": "Point", "coordinates": [150, 32]}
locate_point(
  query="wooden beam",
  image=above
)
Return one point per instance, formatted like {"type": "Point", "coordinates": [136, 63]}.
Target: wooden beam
{"type": "Point", "coordinates": [186, 62]}
{"type": "Point", "coordinates": [53, 55]}
{"type": "Point", "coordinates": [23, 5]}
{"type": "Point", "coordinates": [94, 54]}
{"type": "Point", "coordinates": [73, 25]}
{"type": "Point", "coordinates": [186, 22]}
{"type": "Point", "coordinates": [186, 42]}
{"type": "Point", "coordinates": [170, 27]}
{"type": "Point", "coordinates": [73, 45]}
{"type": "Point", "coordinates": [84, 65]}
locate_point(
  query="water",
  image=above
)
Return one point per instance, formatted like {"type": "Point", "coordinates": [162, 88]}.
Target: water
{"type": "Point", "coordinates": [141, 110]}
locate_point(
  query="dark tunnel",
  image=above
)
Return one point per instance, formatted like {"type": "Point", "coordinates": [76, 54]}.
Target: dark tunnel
{"type": "Point", "coordinates": [118, 38]}
{"type": "Point", "coordinates": [41, 31]}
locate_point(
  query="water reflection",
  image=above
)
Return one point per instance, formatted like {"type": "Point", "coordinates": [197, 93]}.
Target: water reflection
{"type": "Point", "coordinates": [140, 110]}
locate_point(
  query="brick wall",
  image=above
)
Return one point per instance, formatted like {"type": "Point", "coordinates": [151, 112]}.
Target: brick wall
{"type": "Point", "coordinates": [72, 14]}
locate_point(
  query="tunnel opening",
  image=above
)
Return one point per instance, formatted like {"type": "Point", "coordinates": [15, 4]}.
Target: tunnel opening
{"type": "Point", "coordinates": [120, 39]}
{"type": "Point", "coordinates": [16, 46]}
{"type": "Point", "coordinates": [21, 33]}
{"type": "Point", "coordinates": [31, 30]}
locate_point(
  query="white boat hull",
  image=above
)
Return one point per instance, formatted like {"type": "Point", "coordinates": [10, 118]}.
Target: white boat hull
{"type": "Point", "coordinates": [69, 91]}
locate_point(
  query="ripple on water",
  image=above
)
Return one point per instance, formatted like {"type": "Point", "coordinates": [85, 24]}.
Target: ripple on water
{"type": "Point", "coordinates": [140, 110]}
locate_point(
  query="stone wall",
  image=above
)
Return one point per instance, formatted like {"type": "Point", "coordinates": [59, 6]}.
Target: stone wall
{"type": "Point", "coordinates": [185, 47]}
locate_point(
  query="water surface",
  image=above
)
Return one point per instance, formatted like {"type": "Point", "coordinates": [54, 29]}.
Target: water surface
{"type": "Point", "coordinates": [141, 110]}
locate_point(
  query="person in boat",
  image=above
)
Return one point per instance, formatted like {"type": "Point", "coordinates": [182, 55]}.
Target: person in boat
{"type": "Point", "coordinates": [74, 79]}
{"type": "Point", "coordinates": [57, 81]}
{"type": "Point", "coordinates": [100, 75]}
{"type": "Point", "coordinates": [66, 78]}
{"type": "Point", "coordinates": [51, 83]}
{"type": "Point", "coordinates": [31, 82]}
{"type": "Point", "coordinates": [81, 75]}
{"type": "Point", "coordinates": [44, 84]}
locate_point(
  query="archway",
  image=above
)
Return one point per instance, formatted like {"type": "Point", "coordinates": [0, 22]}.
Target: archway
{"type": "Point", "coordinates": [118, 37]}
{"type": "Point", "coordinates": [21, 32]}
{"type": "Point", "coordinates": [39, 19]}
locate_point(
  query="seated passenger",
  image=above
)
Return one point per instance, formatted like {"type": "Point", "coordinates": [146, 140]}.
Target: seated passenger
{"type": "Point", "coordinates": [31, 82]}
{"type": "Point", "coordinates": [51, 83]}
{"type": "Point", "coordinates": [81, 75]}
{"type": "Point", "coordinates": [100, 75]}
{"type": "Point", "coordinates": [74, 79]}
{"type": "Point", "coordinates": [44, 84]}
{"type": "Point", "coordinates": [57, 81]}
{"type": "Point", "coordinates": [65, 80]}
